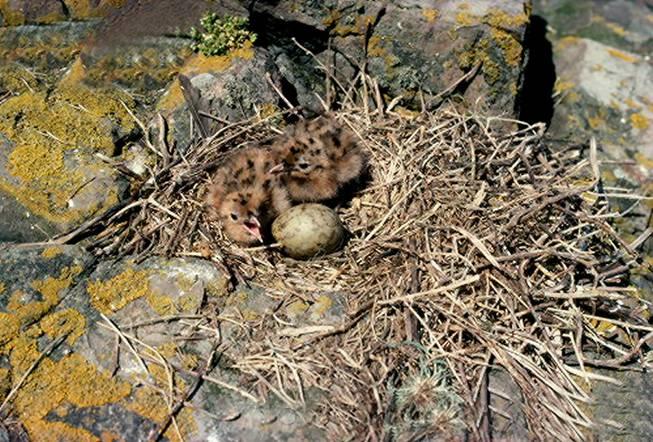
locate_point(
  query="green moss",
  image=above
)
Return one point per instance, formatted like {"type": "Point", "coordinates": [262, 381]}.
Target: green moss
{"type": "Point", "coordinates": [221, 35]}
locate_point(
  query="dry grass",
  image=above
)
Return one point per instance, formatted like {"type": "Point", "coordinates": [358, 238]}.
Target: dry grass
{"type": "Point", "coordinates": [472, 247]}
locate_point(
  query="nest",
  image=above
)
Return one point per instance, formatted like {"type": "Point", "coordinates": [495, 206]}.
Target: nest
{"type": "Point", "coordinates": [473, 248]}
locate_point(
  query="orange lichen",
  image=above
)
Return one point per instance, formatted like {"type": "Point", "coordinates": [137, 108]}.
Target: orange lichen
{"type": "Point", "coordinates": [71, 379]}
{"type": "Point", "coordinates": [430, 14]}
{"type": "Point", "coordinates": [639, 121]}
{"type": "Point", "coordinates": [49, 288]}
{"type": "Point", "coordinates": [51, 252]}
{"type": "Point", "coordinates": [149, 403]}
{"type": "Point", "coordinates": [197, 64]}
{"type": "Point", "coordinates": [68, 322]}
{"type": "Point", "coordinates": [44, 128]}
{"type": "Point", "coordinates": [112, 295]}
{"type": "Point", "coordinates": [630, 58]}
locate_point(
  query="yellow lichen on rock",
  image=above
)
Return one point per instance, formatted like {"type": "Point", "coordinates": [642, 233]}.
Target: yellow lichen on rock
{"type": "Point", "coordinates": [12, 15]}
{"type": "Point", "coordinates": [322, 304]}
{"type": "Point", "coordinates": [44, 129]}
{"type": "Point", "coordinates": [639, 121]}
{"type": "Point", "coordinates": [51, 252]}
{"type": "Point", "coordinates": [68, 322]}
{"type": "Point", "coordinates": [86, 9]}
{"type": "Point", "coordinates": [71, 379]}
{"type": "Point", "coordinates": [111, 295]}
{"type": "Point", "coordinates": [49, 288]}
{"type": "Point", "coordinates": [149, 403]}
{"type": "Point", "coordinates": [623, 55]}
{"type": "Point", "coordinates": [200, 63]}
{"type": "Point", "coordinates": [430, 14]}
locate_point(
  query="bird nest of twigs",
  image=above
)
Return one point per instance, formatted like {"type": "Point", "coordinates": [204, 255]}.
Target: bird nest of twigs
{"type": "Point", "coordinates": [475, 246]}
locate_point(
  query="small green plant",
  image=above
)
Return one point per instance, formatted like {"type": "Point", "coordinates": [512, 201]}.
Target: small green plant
{"type": "Point", "coordinates": [221, 34]}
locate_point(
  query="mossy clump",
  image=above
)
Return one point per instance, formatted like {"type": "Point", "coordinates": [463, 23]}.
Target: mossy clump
{"type": "Point", "coordinates": [221, 35]}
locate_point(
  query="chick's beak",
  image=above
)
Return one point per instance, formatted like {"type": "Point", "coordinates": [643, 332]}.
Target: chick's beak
{"type": "Point", "coordinates": [277, 169]}
{"type": "Point", "coordinates": [253, 226]}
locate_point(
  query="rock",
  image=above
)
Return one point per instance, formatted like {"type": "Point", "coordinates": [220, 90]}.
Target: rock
{"type": "Point", "coordinates": [19, 12]}
{"type": "Point", "coordinates": [605, 93]}
{"type": "Point", "coordinates": [428, 55]}
{"type": "Point", "coordinates": [55, 292]}
{"type": "Point", "coordinates": [618, 23]}
{"type": "Point", "coordinates": [48, 165]}
{"type": "Point", "coordinates": [231, 87]}
{"type": "Point", "coordinates": [17, 224]}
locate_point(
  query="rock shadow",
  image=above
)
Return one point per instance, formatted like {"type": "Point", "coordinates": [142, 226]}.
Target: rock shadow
{"type": "Point", "coordinates": [535, 103]}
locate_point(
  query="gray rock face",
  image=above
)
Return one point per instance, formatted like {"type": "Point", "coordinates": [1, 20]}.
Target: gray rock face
{"type": "Point", "coordinates": [411, 47]}
{"type": "Point", "coordinates": [88, 386]}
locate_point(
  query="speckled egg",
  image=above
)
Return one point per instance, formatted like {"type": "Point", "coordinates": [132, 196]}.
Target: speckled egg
{"type": "Point", "coordinates": [308, 230]}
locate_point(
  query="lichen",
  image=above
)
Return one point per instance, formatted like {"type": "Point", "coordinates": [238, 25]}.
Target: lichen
{"type": "Point", "coordinates": [639, 121]}
{"type": "Point", "coordinates": [644, 161]}
{"type": "Point", "coordinates": [623, 55]}
{"type": "Point", "coordinates": [51, 252]}
{"type": "Point", "coordinates": [218, 286]}
{"type": "Point", "coordinates": [197, 64]}
{"type": "Point", "coordinates": [150, 404]}
{"type": "Point", "coordinates": [45, 129]}
{"type": "Point", "coordinates": [21, 313]}
{"type": "Point", "coordinates": [430, 14]}
{"type": "Point", "coordinates": [68, 322]}
{"type": "Point", "coordinates": [510, 51]}
{"type": "Point", "coordinates": [296, 308]}
{"type": "Point", "coordinates": [112, 295]}
{"type": "Point", "coordinates": [71, 379]}
{"type": "Point", "coordinates": [88, 9]}
{"type": "Point", "coordinates": [12, 15]}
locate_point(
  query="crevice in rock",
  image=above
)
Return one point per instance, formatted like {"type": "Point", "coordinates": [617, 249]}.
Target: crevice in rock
{"type": "Point", "coordinates": [535, 102]}
{"type": "Point", "coordinates": [64, 9]}
{"type": "Point", "coordinates": [273, 31]}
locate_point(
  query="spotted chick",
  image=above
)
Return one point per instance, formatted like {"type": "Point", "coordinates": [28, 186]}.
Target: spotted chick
{"type": "Point", "coordinates": [245, 197]}
{"type": "Point", "coordinates": [316, 158]}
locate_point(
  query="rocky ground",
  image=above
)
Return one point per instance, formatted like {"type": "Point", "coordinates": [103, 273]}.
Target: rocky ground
{"type": "Point", "coordinates": [71, 72]}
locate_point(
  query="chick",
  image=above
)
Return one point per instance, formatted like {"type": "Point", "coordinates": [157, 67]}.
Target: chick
{"type": "Point", "coordinates": [245, 197]}
{"type": "Point", "coordinates": [316, 158]}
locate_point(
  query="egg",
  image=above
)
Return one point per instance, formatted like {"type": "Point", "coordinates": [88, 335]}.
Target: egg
{"type": "Point", "coordinates": [308, 230]}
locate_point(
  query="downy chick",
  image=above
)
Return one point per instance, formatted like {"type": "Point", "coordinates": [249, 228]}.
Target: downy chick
{"type": "Point", "coordinates": [245, 197]}
{"type": "Point", "coordinates": [316, 158]}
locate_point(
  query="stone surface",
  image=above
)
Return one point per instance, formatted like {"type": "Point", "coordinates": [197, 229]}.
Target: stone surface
{"type": "Point", "coordinates": [412, 47]}
{"type": "Point", "coordinates": [84, 390]}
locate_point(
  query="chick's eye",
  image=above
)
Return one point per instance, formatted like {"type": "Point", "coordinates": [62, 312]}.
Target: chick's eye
{"type": "Point", "coordinates": [303, 166]}
{"type": "Point", "coordinates": [234, 217]}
